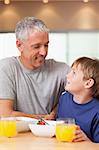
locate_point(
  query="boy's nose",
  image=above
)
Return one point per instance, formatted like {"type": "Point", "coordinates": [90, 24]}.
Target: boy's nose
{"type": "Point", "coordinates": [68, 75]}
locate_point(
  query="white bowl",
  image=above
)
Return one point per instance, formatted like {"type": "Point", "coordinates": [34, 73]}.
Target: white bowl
{"type": "Point", "coordinates": [23, 123]}
{"type": "Point", "coordinates": [43, 130]}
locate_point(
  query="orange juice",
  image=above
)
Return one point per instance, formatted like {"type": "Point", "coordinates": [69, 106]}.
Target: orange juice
{"type": "Point", "coordinates": [8, 128]}
{"type": "Point", "coordinates": [65, 132]}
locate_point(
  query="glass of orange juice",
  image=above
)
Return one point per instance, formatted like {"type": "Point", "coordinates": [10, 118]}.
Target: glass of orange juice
{"type": "Point", "coordinates": [8, 126]}
{"type": "Point", "coordinates": [65, 129]}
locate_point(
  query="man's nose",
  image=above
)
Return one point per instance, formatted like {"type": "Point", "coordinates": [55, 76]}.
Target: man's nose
{"type": "Point", "coordinates": [43, 51]}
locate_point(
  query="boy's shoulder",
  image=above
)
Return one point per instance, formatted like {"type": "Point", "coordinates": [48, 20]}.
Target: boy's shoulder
{"type": "Point", "coordinates": [95, 105]}
{"type": "Point", "coordinates": [63, 93]}
{"type": "Point", "coordinates": [66, 93]}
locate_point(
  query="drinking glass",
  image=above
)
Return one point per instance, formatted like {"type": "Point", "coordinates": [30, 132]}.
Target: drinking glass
{"type": "Point", "coordinates": [8, 126]}
{"type": "Point", "coordinates": [65, 129]}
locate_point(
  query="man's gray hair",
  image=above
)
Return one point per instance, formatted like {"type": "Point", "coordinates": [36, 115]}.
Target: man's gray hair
{"type": "Point", "coordinates": [29, 25]}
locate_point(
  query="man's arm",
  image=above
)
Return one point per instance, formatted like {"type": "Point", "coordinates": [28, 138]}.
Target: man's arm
{"type": "Point", "coordinates": [52, 115]}
{"type": "Point", "coordinates": [6, 109]}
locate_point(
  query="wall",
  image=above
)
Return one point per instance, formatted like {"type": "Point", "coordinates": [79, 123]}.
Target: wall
{"type": "Point", "coordinates": [59, 16]}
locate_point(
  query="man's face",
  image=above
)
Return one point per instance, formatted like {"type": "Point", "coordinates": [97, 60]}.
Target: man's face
{"type": "Point", "coordinates": [34, 49]}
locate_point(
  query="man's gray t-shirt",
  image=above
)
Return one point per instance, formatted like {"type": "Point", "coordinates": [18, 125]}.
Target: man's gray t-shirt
{"type": "Point", "coordinates": [34, 91]}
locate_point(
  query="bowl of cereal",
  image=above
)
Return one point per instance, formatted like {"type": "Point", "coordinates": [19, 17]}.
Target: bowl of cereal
{"type": "Point", "coordinates": [44, 129]}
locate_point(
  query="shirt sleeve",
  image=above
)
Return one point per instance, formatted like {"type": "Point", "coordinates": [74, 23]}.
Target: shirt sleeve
{"type": "Point", "coordinates": [59, 111]}
{"type": "Point", "coordinates": [95, 129]}
{"type": "Point", "coordinates": [7, 86]}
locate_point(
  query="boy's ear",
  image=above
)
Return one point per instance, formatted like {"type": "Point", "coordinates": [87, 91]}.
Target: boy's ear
{"type": "Point", "coordinates": [89, 83]}
{"type": "Point", "coordinates": [19, 45]}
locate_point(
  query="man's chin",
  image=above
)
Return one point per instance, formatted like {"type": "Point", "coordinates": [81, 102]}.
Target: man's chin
{"type": "Point", "coordinates": [40, 63]}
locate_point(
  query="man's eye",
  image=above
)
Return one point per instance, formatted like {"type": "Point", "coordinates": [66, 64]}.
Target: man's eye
{"type": "Point", "coordinates": [46, 45]}
{"type": "Point", "coordinates": [36, 47]}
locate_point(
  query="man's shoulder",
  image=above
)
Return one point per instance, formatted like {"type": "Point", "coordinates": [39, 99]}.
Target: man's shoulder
{"type": "Point", "coordinates": [56, 64]}
{"type": "Point", "coordinates": [7, 62]}
{"type": "Point", "coordinates": [7, 59]}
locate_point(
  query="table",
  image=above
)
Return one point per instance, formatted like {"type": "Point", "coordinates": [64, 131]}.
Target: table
{"type": "Point", "coordinates": [27, 141]}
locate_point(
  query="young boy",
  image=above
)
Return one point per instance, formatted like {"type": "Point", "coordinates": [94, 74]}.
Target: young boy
{"type": "Point", "coordinates": [81, 99]}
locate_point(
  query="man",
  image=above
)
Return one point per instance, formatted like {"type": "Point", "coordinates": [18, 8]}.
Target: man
{"type": "Point", "coordinates": [30, 85]}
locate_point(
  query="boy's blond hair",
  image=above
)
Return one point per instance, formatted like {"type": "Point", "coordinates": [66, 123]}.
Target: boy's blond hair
{"type": "Point", "coordinates": [90, 68]}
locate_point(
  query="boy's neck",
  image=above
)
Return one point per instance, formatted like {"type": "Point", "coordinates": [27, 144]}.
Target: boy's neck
{"type": "Point", "coordinates": [82, 99]}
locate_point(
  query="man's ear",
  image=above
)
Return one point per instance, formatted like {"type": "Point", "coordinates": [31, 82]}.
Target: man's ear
{"type": "Point", "coordinates": [89, 83]}
{"type": "Point", "coordinates": [19, 45]}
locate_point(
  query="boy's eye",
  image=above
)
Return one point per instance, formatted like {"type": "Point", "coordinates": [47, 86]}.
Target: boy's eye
{"type": "Point", "coordinates": [73, 72]}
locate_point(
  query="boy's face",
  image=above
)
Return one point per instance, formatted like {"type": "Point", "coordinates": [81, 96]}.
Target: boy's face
{"type": "Point", "coordinates": [75, 82]}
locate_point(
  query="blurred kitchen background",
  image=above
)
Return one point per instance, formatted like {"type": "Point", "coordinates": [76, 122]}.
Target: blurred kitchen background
{"type": "Point", "coordinates": [73, 24]}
